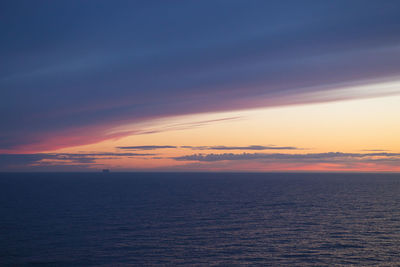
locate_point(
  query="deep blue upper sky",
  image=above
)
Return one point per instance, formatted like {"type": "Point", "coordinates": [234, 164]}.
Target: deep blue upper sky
{"type": "Point", "coordinates": [96, 64]}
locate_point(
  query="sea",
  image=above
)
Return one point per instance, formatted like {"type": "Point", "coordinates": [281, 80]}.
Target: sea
{"type": "Point", "coordinates": [199, 219]}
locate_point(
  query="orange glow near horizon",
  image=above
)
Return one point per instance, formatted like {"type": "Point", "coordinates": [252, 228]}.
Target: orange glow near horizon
{"type": "Point", "coordinates": [354, 126]}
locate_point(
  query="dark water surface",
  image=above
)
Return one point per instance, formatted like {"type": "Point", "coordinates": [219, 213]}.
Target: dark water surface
{"type": "Point", "coordinates": [83, 219]}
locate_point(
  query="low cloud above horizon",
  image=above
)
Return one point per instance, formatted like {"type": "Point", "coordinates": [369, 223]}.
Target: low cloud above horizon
{"type": "Point", "coordinates": [318, 157]}
{"type": "Point", "coordinates": [59, 161]}
{"type": "Point", "coordinates": [149, 147]}
{"type": "Point", "coordinates": [252, 147]}
{"type": "Point", "coordinates": [94, 161]}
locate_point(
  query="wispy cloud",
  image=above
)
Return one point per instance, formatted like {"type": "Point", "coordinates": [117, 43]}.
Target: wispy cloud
{"type": "Point", "coordinates": [127, 129]}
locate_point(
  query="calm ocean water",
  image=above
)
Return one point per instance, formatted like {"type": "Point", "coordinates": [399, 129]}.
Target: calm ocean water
{"type": "Point", "coordinates": [168, 219]}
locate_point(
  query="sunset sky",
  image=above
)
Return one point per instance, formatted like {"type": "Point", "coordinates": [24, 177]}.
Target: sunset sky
{"type": "Point", "coordinates": [200, 85]}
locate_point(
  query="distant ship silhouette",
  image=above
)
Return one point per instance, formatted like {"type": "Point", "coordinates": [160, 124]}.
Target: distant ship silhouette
{"type": "Point", "coordinates": [106, 170]}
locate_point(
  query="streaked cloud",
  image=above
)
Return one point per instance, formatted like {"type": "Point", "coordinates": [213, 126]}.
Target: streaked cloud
{"type": "Point", "coordinates": [130, 62]}
{"type": "Point", "coordinates": [143, 129]}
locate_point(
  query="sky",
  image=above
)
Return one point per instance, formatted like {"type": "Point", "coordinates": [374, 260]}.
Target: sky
{"type": "Point", "coordinates": [200, 85]}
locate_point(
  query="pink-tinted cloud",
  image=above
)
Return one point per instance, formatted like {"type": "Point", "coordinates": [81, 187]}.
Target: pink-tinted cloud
{"type": "Point", "coordinates": [72, 71]}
